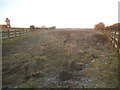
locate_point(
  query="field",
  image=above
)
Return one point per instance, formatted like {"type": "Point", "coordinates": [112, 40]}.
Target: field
{"type": "Point", "coordinates": [63, 58]}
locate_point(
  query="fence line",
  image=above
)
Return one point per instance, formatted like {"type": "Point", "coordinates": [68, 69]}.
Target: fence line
{"type": "Point", "coordinates": [15, 32]}
{"type": "Point", "coordinates": [114, 37]}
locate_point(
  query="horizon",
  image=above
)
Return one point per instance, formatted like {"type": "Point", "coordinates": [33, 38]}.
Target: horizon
{"type": "Point", "coordinates": [62, 14]}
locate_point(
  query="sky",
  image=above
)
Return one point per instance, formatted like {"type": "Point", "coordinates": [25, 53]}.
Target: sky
{"type": "Point", "coordinates": [59, 13]}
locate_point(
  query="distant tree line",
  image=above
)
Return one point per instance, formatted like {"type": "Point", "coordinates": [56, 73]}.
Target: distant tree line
{"type": "Point", "coordinates": [115, 26]}
{"type": "Point", "coordinates": [101, 26]}
{"type": "Point", "coordinates": [43, 27]}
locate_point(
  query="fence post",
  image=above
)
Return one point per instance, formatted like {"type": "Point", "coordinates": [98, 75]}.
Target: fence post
{"type": "Point", "coordinates": [119, 42]}
{"type": "Point", "coordinates": [15, 33]}
{"type": "Point", "coordinates": [19, 32]}
{"type": "Point", "coordinates": [8, 32]}
{"type": "Point", "coordinates": [23, 31]}
{"type": "Point", "coordinates": [26, 31]}
{"type": "Point", "coordinates": [114, 39]}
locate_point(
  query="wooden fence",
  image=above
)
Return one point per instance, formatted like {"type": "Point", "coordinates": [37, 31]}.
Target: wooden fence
{"type": "Point", "coordinates": [114, 37]}
{"type": "Point", "coordinates": [15, 32]}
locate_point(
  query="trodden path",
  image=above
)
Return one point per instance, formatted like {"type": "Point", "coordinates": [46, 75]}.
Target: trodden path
{"type": "Point", "coordinates": [63, 58]}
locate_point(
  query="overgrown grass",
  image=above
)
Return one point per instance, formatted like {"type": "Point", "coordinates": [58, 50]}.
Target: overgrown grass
{"type": "Point", "coordinates": [63, 58]}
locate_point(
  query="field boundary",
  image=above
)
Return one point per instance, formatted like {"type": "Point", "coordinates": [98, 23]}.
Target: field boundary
{"type": "Point", "coordinates": [114, 37]}
{"type": "Point", "coordinates": [16, 32]}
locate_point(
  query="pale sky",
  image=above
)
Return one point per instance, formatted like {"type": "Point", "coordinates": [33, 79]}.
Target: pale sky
{"type": "Point", "coordinates": [59, 13]}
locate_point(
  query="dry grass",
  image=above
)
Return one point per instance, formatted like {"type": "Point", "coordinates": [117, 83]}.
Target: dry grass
{"type": "Point", "coordinates": [63, 58]}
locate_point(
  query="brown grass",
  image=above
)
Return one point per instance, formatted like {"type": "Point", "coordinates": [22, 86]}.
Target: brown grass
{"type": "Point", "coordinates": [65, 58]}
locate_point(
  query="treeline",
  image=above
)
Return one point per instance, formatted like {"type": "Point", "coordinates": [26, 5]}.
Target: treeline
{"type": "Point", "coordinates": [113, 27]}
{"type": "Point", "coordinates": [43, 27]}
{"type": "Point", "coordinates": [101, 26]}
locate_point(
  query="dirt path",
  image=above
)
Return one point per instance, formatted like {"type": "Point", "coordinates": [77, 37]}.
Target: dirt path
{"type": "Point", "coordinates": [80, 58]}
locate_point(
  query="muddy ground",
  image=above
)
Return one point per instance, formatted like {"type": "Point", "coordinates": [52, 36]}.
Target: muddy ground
{"type": "Point", "coordinates": [62, 59]}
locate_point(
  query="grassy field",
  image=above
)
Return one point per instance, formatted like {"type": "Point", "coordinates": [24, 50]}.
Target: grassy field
{"type": "Point", "coordinates": [80, 58]}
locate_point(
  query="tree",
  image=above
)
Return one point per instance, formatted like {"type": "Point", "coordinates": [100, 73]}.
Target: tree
{"type": "Point", "coordinates": [32, 27]}
{"type": "Point", "coordinates": [100, 26]}
{"type": "Point", "coordinates": [53, 27]}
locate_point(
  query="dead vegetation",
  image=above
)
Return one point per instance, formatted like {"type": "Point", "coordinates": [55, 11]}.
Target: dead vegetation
{"type": "Point", "coordinates": [62, 58]}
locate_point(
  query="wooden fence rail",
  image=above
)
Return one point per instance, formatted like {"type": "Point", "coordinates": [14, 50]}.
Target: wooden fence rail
{"type": "Point", "coordinates": [114, 37]}
{"type": "Point", "coordinates": [15, 32]}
